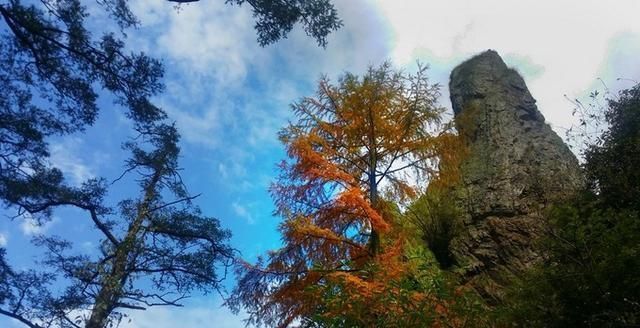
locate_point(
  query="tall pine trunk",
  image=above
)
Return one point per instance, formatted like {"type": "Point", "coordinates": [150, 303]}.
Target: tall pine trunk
{"type": "Point", "coordinates": [111, 287]}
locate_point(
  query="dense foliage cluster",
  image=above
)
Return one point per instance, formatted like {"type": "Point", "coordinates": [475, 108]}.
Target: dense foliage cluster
{"type": "Point", "coordinates": [275, 19]}
{"type": "Point", "coordinates": [51, 68]}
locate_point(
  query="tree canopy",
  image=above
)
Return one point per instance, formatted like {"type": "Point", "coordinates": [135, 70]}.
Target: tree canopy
{"type": "Point", "coordinates": [611, 163]}
{"type": "Point", "coordinates": [52, 66]}
{"type": "Point", "coordinates": [350, 152]}
{"type": "Point", "coordinates": [53, 69]}
{"type": "Point", "coordinates": [156, 240]}
{"type": "Point", "coordinates": [275, 19]}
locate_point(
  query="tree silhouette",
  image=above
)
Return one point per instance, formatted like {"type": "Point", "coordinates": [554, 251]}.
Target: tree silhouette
{"type": "Point", "coordinates": [275, 19]}
{"type": "Point", "coordinates": [163, 243]}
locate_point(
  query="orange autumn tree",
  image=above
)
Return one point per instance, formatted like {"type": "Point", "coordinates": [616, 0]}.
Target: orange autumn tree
{"type": "Point", "coordinates": [352, 143]}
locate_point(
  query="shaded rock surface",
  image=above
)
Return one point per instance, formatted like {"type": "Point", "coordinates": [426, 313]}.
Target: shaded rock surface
{"type": "Point", "coordinates": [516, 167]}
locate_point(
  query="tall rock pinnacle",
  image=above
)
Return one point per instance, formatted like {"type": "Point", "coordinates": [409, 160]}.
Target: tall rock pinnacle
{"type": "Point", "coordinates": [516, 167]}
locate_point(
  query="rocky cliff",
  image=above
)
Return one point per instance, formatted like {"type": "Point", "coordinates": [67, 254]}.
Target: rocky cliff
{"type": "Point", "coordinates": [516, 167]}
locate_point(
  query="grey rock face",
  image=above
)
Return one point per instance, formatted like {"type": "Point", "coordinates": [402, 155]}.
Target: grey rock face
{"type": "Point", "coordinates": [516, 167]}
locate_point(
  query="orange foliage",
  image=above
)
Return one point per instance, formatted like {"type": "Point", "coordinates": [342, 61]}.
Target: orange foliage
{"type": "Point", "coordinates": [349, 140]}
{"type": "Point", "coordinates": [353, 200]}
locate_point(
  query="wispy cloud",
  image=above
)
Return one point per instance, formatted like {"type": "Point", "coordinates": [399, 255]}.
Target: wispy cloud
{"type": "Point", "coordinates": [4, 239]}
{"type": "Point", "coordinates": [191, 316]}
{"type": "Point", "coordinates": [209, 39]}
{"type": "Point", "coordinates": [219, 78]}
{"type": "Point", "coordinates": [66, 156]}
{"type": "Point", "coordinates": [243, 211]}
{"type": "Point", "coordinates": [229, 96]}
{"type": "Point", "coordinates": [32, 227]}
{"type": "Point", "coordinates": [621, 68]}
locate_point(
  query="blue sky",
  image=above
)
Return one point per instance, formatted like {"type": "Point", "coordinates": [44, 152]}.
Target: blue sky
{"type": "Point", "coordinates": [229, 97]}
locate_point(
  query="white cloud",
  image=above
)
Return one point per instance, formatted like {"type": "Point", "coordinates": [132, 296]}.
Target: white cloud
{"type": "Point", "coordinates": [566, 41]}
{"type": "Point", "coordinates": [234, 170]}
{"type": "Point", "coordinates": [207, 38]}
{"type": "Point", "coordinates": [243, 212]}
{"type": "Point", "coordinates": [220, 79]}
{"type": "Point", "coordinates": [201, 128]}
{"type": "Point", "coordinates": [222, 169]}
{"type": "Point", "coordinates": [4, 239]}
{"type": "Point", "coordinates": [189, 316]}
{"type": "Point", "coordinates": [31, 227]}
{"type": "Point", "coordinates": [66, 156]}
{"type": "Point", "coordinates": [88, 246]}
{"type": "Point", "coordinates": [221, 83]}
{"type": "Point", "coordinates": [621, 68]}
{"type": "Point", "coordinates": [228, 95]}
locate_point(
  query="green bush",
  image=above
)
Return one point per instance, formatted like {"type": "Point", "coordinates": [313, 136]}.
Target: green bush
{"type": "Point", "coordinates": [437, 218]}
{"type": "Point", "coordinates": [591, 277]}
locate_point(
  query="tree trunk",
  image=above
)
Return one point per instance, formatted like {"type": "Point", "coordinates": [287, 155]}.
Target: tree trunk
{"type": "Point", "coordinates": [374, 243]}
{"type": "Point", "coordinates": [111, 287]}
